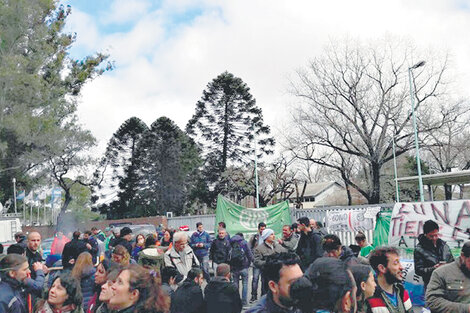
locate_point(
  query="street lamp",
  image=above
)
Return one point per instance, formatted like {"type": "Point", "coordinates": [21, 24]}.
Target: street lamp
{"type": "Point", "coordinates": [418, 160]}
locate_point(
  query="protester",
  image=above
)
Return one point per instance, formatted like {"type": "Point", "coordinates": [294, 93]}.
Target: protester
{"type": "Point", "coordinates": [92, 245]}
{"type": "Point", "coordinates": [64, 296]}
{"type": "Point", "coordinates": [312, 223]}
{"type": "Point", "coordinates": [366, 248]}
{"type": "Point", "coordinates": [289, 239]}
{"type": "Point", "coordinates": [84, 272]}
{"type": "Point", "coordinates": [151, 256]}
{"type": "Point", "coordinates": [58, 243]}
{"type": "Point", "coordinates": [321, 229]}
{"type": "Point", "coordinates": [170, 277]}
{"type": "Point", "coordinates": [121, 256]}
{"type": "Point", "coordinates": [365, 282]}
{"type": "Point", "coordinates": [137, 291]}
{"type": "Point", "coordinates": [72, 250]}
{"type": "Point", "coordinates": [101, 277]}
{"type": "Point", "coordinates": [389, 293]}
{"type": "Point", "coordinates": [295, 229]}
{"type": "Point", "coordinates": [431, 252]}
{"type": "Point", "coordinates": [254, 242]}
{"type": "Point", "coordinates": [98, 234]}
{"type": "Point", "coordinates": [220, 248]}
{"type": "Point", "coordinates": [20, 239]}
{"type": "Point", "coordinates": [32, 252]}
{"type": "Point", "coordinates": [188, 297]}
{"type": "Point", "coordinates": [309, 247]}
{"type": "Point", "coordinates": [109, 237]}
{"type": "Point", "coordinates": [239, 261]}
{"type": "Point", "coordinates": [125, 237]}
{"type": "Point", "coordinates": [333, 248]}
{"type": "Point", "coordinates": [167, 240]}
{"type": "Point", "coordinates": [449, 287]}
{"type": "Point", "coordinates": [181, 256]}
{"type": "Point", "coordinates": [222, 293]}
{"type": "Point", "coordinates": [222, 225]}
{"type": "Point", "coordinates": [280, 271]}
{"type": "Point", "coordinates": [200, 243]}
{"type": "Point", "coordinates": [102, 304]}
{"type": "Point", "coordinates": [16, 249]}
{"type": "Point", "coordinates": [139, 246]}
{"type": "Point", "coordinates": [263, 251]}
{"type": "Point", "coordinates": [14, 270]}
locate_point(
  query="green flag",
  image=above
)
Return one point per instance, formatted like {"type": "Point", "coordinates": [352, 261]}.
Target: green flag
{"type": "Point", "coordinates": [245, 220]}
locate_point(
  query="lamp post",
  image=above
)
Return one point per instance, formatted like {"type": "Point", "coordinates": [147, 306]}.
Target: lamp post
{"type": "Point", "coordinates": [397, 190]}
{"type": "Point", "coordinates": [418, 160]}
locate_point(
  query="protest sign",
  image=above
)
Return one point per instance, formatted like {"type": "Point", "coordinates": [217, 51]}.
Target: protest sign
{"type": "Point", "coordinates": [348, 221]}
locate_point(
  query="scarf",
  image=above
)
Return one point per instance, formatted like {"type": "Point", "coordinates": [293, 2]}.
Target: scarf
{"type": "Point", "coordinates": [46, 308]}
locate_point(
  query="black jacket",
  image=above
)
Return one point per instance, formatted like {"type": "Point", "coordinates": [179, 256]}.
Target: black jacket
{"type": "Point", "coordinates": [221, 293]}
{"type": "Point", "coordinates": [123, 242]}
{"type": "Point", "coordinates": [12, 296]}
{"type": "Point", "coordinates": [220, 250]}
{"type": "Point", "coordinates": [309, 248]}
{"type": "Point", "coordinates": [33, 257]}
{"type": "Point", "coordinates": [188, 299]}
{"type": "Point", "coordinates": [426, 256]}
{"type": "Point", "coordinates": [71, 251]}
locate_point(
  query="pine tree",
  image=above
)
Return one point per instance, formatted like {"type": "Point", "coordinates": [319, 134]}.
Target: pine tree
{"type": "Point", "coordinates": [224, 125]}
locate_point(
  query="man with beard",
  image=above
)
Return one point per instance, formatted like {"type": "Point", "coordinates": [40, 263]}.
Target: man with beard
{"type": "Point", "coordinates": [280, 270]}
{"type": "Point", "coordinates": [449, 287]}
{"type": "Point", "coordinates": [309, 247]}
{"type": "Point", "coordinates": [389, 296]}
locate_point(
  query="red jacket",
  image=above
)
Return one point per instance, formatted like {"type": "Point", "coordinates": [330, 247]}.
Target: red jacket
{"type": "Point", "coordinates": [58, 244]}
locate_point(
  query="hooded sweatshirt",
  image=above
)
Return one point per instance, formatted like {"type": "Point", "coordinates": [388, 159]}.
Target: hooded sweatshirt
{"type": "Point", "coordinates": [221, 293]}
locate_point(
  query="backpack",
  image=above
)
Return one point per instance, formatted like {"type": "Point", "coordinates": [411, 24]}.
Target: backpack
{"type": "Point", "coordinates": [236, 255]}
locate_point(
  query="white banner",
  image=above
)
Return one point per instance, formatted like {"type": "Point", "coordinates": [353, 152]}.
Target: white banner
{"type": "Point", "coordinates": [348, 220]}
{"type": "Point", "coordinates": [407, 222]}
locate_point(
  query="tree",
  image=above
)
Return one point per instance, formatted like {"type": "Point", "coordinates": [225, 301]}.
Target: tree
{"type": "Point", "coordinates": [39, 85]}
{"type": "Point", "coordinates": [122, 180]}
{"type": "Point", "coordinates": [224, 125]}
{"type": "Point", "coordinates": [355, 100]}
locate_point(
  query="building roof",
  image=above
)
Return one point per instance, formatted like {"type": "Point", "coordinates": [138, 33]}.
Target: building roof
{"type": "Point", "coordinates": [314, 189]}
{"type": "Point", "coordinates": [453, 178]}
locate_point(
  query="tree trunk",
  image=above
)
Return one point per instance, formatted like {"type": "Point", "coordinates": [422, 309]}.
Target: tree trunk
{"type": "Point", "coordinates": [448, 191]}
{"type": "Point", "coordinates": [462, 186]}
{"type": "Point", "coordinates": [375, 192]}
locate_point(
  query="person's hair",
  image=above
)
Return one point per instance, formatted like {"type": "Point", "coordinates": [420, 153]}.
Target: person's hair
{"type": "Point", "coordinates": [222, 270]}
{"type": "Point", "coordinates": [379, 256]}
{"type": "Point", "coordinates": [222, 229]}
{"type": "Point", "coordinates": [150, 241]}
{"type": "Point", "coordinates": [466, 249]}
{"type": "Point", "coordinates": [137, 237]}
{"type": "Point", "coordinates": [167, 273]}
{"type": "Point", "coordinates": [286, 226]}
{"type": "Point", "coordinates": [240, 234]}
{"type": "Point", "coordinates": [262, 224]}
{"type": "Point", "coordinates": [1, 248]}
{"type": "Point", "coordinates": [178, 236]}
{"type": "Point", "coordinates": [429, 226]}
{"type": "Point", "coordinates": [319, 224]}
{"type": "Point", "coordinates": [88, 232]}
{"type": "Point", "coordinates": [360, 236]}
{"type": "Point", "coordinates": [72, 288]}
{"type": "Point", "coordinates": [83, 261]}
{"type": "Point", "coordinates": [151, 297]}
{"type": "Point", "coordinates": [15, 248]}
{"type": "Point", "coordinates": [198, 224]}
{"type": "Point", "coordinates": [294, 226]}
{"type": "Point", "coordinates": [113, 274]}
{"type": "Point", "coordinates": [361, 274]}
{"type": "Point", "coordinates": [12, 262]}
{"type": "Point", "coordinates": [331, 242]}
{"type": "Point", "coordinates": [275, 262]}
{"type": "Point", "coordinates": [94, 228]}
{"type": "Point", "coordinates": [222, 224]}
{"type": "Point", "coordinates": [193, 273]}
{"type": "Point", "coordinates": [121, 250]}
{"type": "Point", "coordinates": [76, 234]}
{"type": "Point", "coordinates": [304, 221]}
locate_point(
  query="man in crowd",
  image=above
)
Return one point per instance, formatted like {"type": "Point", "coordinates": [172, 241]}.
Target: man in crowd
{"type": "Point", "coordinates": [91, 244]}
{"type": "Point", "coordinates": [223, 226]}
{"type": "Point", "coordinates": [222, 293]}
{"type": "Point", "coordinates": [280, 271]}
{"type": "Point", "coordinates": [431, 252]}
{"type": "Point", "coordinates": [170, 279]}
{"type": "Point", "coordinates": [188, 298]}
{"type": "Point", "coordinates": [181, 256]}
{"type": "Point", "coordinates": [98, 233]}
{"type": "Point", "coordinates": [200, 243]}
{"type": "Point", "coordinates": [263, 251]}
{"type": "Point", "coordinates": [389, 293]}
{"type": "Point", "coordinates": [15, 271]}
{"type": "Point", "coordinates": [254, 242]}
{"type": "Point", "coordinates": [366, 248]}
{"type": "Point", "coordinates": [72, 250]}
{"type": "Point", "coordinates": [240, 260]}
{"type": "Point", "coordinates": [125, 237]}
{"type": "Point", "coordinates": [32, 252]}
{"type": "Point", "coordinates": [321, 229]}
{"type": "Point", "coordinates": [309, 247]}
{"type": "Point", "coordinates": [289, 238]}
{"type": "Point", "coordinates": [220, 248]}
{"type": "Point", "coordinates": [449, 287]}
{"type": "Point", "coordinates": [20, 239]}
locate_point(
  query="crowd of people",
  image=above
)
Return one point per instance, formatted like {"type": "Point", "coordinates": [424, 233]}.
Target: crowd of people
{"type": "Point", "coordinates": [306, 270]}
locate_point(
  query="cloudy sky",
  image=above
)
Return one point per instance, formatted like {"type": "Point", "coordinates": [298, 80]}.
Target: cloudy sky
{"type": "Point", "coordinates": [167, 51]}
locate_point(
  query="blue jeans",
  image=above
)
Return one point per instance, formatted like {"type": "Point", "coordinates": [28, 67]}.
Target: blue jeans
{"type": "Point", "coordinates": [204, 261]}
{"type": "Point", "coordinates": [236, 279]}
{"type": "Point", "coordinates": [254, 282]}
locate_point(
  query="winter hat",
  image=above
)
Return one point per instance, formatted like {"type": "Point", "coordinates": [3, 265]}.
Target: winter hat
{"type": "Point", "coordinates": [266, 233]}
{"type": "Point", "coordinates": [125, 231]}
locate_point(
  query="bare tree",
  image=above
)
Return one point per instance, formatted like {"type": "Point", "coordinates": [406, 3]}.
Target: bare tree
{"type": "Point", "coordinates": [355, 99]}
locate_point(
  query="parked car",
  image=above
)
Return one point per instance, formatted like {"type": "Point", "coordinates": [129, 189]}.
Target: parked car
{"type": "Point", "coordinates": [46, 247]}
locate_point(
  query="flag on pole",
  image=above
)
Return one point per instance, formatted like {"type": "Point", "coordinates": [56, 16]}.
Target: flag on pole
{"type": "Point", "coordinates": [21, 195]}
{"type": "Point", "coordinates": [56, 194]}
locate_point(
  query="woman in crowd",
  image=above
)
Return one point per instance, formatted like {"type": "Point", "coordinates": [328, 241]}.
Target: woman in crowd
{"type": "Point", "coordinates": [167, 240]}
{"type": "Point", "coordinates": [121, 256]}
{"type": "Point", "coordinates": [14, 269]}
{"type": "Point", "coordinates": [106, 293]}
{"type": "Point", "coordinates": [101, 277]}
{"type": "Point", "coordinates": [137, 291]}
{"type": "Point", "coordinates": [84, 272]}
{"type": "Point", "coordinates": [151, 256]}
{"type": "Point", "coordinates": [365, 282]}
{"type": "Point", "coordinates": [139, 245]}
{"type": "Point", "coordinates": [64, 296]}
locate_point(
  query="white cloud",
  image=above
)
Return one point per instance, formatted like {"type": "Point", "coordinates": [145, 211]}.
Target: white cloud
{"type": "Point", "coordinates": [123, 11]}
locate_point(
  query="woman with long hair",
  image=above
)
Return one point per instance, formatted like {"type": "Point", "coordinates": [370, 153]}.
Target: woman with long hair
{"type": "Point", "coordinates": [84, 272]}
{"type": "Point", "coordinates": [138, 291]}
{"type": "Point", "coordinates": [167, 240]}
{"type": "Point", "coordinates": [121, 256]}
{"type": "Point", "coordinates": [106, 293]}
{"type": "Point", "coordinates": [101, 277]}
{"type": "Point", "coordinates": [64, 296]}
{"type": "Point", "coordinates": [365, 282]}
{"type": "Point", "coordinates": [139, 246]}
